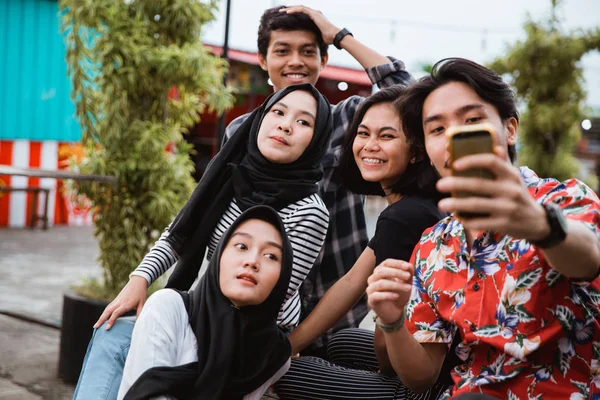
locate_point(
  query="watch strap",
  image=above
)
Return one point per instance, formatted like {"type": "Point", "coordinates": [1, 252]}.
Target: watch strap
{"type": "Point", "coordinates": [558, 227]}
{"type": "Point", "coordinates": [340, 35]}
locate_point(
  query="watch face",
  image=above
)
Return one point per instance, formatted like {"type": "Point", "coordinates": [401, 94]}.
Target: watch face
{"type": "Point", "coordinates": [558, 216]}
{"type": "Point", "coordinates": [558, 225]}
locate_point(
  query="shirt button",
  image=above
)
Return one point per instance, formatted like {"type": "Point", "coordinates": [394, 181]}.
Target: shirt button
{"type": "Point", "coordinates": [476, 287]}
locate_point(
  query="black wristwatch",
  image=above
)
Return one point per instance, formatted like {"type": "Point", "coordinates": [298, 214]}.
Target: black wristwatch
{"type": "Point", "coordinates": [340, 35]}
{"type": "Point", "coordinates": [558, 227]}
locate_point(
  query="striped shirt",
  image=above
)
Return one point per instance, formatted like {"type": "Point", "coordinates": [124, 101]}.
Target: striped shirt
{"type": "Point", "coordinates": [305, 222]}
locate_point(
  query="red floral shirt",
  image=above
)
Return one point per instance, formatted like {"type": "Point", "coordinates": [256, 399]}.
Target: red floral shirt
{"type": "Point", "coordinates": [527, 331]}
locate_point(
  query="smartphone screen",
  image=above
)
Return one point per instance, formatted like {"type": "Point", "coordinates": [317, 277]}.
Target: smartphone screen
{"type": "Point", "coordinates": [467, 143]}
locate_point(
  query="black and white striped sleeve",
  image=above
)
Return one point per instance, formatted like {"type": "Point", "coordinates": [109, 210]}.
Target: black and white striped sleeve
{"type": "Point", "coordinates": [158, 260]}
{"type": "Point", "coordinates": [306, 228]}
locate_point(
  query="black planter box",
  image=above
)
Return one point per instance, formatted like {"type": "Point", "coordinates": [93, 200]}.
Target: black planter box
{"type": "Point", "coordinates": [78, 318]}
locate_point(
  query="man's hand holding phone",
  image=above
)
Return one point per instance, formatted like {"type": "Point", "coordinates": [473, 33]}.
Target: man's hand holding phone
{"type": "Point", "coordinates": [502, 204]}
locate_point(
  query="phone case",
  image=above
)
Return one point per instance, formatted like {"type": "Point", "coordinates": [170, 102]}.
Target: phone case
{"type": "Point", "coordinates": [450, 133]}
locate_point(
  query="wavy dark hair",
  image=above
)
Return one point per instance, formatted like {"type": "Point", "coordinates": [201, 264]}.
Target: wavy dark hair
{"type": "Point", "coordinates": [272, 20]}
{"type": "Point", "coordinates": [419, 178]}
{"type": "Point", "coordinates": [486, 83]}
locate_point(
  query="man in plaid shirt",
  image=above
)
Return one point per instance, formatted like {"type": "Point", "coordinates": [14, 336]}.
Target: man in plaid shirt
{"type": "Point", "coordinates": [292, 46]}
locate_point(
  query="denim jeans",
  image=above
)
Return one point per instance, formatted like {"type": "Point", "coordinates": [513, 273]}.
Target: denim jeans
{"type": "Point", "coordinates": [104, 361]}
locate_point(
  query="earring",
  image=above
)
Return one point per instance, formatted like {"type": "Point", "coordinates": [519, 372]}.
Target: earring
{"type": "Point", "coordinates": [412, 160]}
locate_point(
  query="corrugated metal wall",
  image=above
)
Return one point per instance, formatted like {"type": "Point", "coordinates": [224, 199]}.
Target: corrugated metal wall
{"type": "Point", "coordinates": [34, 87]}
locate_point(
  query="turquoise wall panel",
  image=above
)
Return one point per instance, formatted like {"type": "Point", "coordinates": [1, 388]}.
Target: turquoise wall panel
{"type": "Point", "coordinates": [34, 86]}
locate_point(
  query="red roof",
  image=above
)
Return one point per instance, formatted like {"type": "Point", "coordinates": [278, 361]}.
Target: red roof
{"type": "Point", "coordinates": [356, 76]}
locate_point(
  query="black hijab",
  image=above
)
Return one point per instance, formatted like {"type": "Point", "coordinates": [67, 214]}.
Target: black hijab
{"type": "Point", "coordinates": [240, 170]}
{"type": "Point", "coordinates": [239, 349]}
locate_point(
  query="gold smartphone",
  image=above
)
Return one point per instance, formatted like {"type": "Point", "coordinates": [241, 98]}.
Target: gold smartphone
{"type": "Point", "coordinates": [466, 140]}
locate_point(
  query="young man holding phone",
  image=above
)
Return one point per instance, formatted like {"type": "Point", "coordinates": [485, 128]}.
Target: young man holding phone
{"type": "Point", "coordinates": [519, 284]}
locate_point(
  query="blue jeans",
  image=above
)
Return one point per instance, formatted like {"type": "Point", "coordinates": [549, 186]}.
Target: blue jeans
{"type": "Point", "coordinates": [104, 361]}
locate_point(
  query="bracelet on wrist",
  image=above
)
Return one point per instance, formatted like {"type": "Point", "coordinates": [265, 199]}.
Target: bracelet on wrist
{"type": "Point", "coordinates": [393, 327]}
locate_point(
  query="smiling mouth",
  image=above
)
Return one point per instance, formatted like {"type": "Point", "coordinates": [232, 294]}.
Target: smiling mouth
{"type": "Point", "coordinates": [372, 161]}
{"type": "Point", "coordinates": [295, 75]}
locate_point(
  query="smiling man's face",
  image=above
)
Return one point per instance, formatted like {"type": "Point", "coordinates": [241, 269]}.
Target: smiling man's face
{"type": "Point", "coordinates": [292, 57]}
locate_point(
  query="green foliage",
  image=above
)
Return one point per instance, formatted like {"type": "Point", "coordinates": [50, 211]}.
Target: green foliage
{"type": "Point", "coordinates": [426, 67]}
{"type": "Point", "coordinates": [124, 56]}
{"type": "Point", "coordinates": [548, 79]}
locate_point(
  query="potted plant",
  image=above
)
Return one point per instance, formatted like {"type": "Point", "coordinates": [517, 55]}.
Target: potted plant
{"type": "Point", "coordinates": [141, 77]}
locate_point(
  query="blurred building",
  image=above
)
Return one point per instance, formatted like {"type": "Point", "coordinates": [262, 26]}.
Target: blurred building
{"type": "Point", "coordinates": [36, 112]}
{"type": "Point", "coordinates": [37, 124]}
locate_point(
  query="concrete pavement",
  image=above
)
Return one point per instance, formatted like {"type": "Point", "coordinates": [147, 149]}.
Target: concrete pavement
{"type": "Point", "coordinates": [36, 267]}
{"type": "Point", "coordinates": [29, 362]}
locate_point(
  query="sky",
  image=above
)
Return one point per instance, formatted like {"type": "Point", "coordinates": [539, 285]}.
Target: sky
{"type": "Point", "coordinates": [423, 31]}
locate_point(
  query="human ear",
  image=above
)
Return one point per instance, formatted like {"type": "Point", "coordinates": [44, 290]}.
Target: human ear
{"type": "Point", "coordinates": [324, 61]}
{"type": "Point", "coordinates": [511, 126]}
{"type": "Point", "coordinates": [262, 61]}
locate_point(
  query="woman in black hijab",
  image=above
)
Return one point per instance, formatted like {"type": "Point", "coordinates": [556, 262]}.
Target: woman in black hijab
{"type": "Point", "coordinates": [272, 159]}
{"type": "Point", "coordinates": [221, 340]}
{"type": "Point", "coordinates": [242, 170]}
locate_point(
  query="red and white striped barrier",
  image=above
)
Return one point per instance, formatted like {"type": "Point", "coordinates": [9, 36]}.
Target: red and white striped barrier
{"type": "Point", "coordinates": [15, 206]}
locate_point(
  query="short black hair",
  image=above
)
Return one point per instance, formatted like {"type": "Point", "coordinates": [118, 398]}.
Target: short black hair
{"type": "Point", "coordinates": [420, 176]}
{"type": "Point", "coordinates": [486, 83]}
{"type": "Point", "coordinates": [272, 20]}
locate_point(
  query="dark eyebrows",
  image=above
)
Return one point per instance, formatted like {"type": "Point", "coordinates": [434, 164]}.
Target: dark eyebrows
{"type": "Point", "coordinates": [277, 245]}
{"type": "Point", "coordinates": [244, 234]}
{"type": "Point", "coordinates": [249, 236]}
{"type": "Point", "coordinates": [436, 117]}
{"type": "Point", "coordinates": [385, 128]}
{"type": "Point", "coordinates": [309, 114]}
{"type": "Point", "coordinates": [461, 111]}
{"type": "Point", "coordinates": [302, 46]}
{"type": "Point", "coordinates": [280, 43]}
{"type": "Point", "coordinates": [282, 104]}
{"type": "Point", "coordinates": [469, 107]}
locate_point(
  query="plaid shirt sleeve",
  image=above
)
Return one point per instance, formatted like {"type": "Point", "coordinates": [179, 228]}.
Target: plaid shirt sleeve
{"type": "Point", "coordinates": [386, 75]}
{"type": "Point", "coordinates": [347, 235]}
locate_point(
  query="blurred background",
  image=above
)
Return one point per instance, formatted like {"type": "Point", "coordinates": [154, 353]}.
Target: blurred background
{"type": "Point", "coordinates": [47, 238]}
